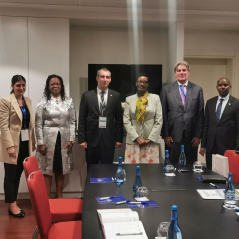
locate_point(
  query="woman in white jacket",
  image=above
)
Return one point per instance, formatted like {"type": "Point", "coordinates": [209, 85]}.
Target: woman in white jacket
{"type": "Point", "coordinates": [55, 127]}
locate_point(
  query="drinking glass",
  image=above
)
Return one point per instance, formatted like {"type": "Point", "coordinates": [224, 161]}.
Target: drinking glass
{"type": "Point", "coordinates": [163, 229]}
{"type": "Point", "coordinates": [170, 169]}
{"type": "Point", "coordinates": [197, 166]}
{"type": "Point", "coordinates": [142, 192]}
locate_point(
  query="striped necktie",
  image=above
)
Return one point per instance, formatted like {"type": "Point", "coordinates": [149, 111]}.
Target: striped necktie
{"type": "Point", "coordinates": [219, 109]}
{"type": "Point", "coordinates": [102, 103]}
{"type": "Point", "coordinates": [182, 95]}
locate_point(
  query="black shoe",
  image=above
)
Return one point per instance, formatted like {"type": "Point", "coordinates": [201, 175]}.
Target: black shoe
{"type": "Point", "coordinates": [20, 214]}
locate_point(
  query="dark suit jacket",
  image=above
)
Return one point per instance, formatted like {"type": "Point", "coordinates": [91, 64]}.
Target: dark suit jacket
{"type": "Point", "coordinates": [176, 117]}
{"type": "Point", "coordinates": [88, 127]}
{"type": "Point", "coordinates": [226, 131]}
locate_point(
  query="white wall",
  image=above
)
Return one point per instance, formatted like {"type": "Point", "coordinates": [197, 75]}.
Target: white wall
{"type": "Point", "coordinates": [35, 48]}
{"type": "Point", "coordinates": [212, 41]}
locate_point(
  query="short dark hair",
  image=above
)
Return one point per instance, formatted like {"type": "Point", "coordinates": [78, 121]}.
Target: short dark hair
{"type": "Point", "coordinates": [142, 74]}
{"type": "Point", "coordinates": [103, 69]}
{"type": "Point", "coordinates": [224, 78]}
{"type": "Point", "coordinates": [47, 92]}
{"type": "Point", "coordinates": [15, 79]}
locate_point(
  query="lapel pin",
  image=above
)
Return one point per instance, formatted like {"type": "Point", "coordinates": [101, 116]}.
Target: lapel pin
{"type": "Point", "coordinates": [110, 95]}
{"type": "Point", "coordinates": [229, 103]}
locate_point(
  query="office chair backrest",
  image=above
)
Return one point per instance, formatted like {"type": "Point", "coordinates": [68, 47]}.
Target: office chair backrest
{"type": "Point", "coordinates": [233, 161]}
{"type": "Point", "coordinates": [39, 199]}
{"type": "Point", "coordinates": [30, 165]}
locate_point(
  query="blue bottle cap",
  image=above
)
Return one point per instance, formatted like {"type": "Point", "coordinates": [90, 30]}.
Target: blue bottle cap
{"type": "Point", "coordinates": [174, 207]}
{"type": "Point", "coordinates": [137, 167]}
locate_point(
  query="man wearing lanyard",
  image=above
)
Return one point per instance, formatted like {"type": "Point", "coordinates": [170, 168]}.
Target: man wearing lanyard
{"type": "Point", "coordinates": [221, 124]}
{"type": "Point", "coordinates": [100, 128]}
{"type": "Point", "coordinates": [183, 112]}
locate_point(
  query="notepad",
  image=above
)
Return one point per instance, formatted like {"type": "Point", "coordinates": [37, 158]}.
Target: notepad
{"type": "Point", "coordinates": [211, 193]}
{"type": "Point", "coordinates": [121, 223]}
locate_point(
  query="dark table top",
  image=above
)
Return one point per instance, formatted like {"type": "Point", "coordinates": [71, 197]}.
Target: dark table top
{"type": "Point", "coordinates": [198, 218]}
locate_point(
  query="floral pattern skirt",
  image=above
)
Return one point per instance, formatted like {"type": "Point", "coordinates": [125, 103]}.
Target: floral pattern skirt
{"type": "Point", "coordinates": [147, 154]}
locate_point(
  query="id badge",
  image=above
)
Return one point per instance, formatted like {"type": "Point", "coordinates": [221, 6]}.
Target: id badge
{"type": "Point", "coordinates": [25, 134]}
{"type": "Point", "coordinates": [102, 122]}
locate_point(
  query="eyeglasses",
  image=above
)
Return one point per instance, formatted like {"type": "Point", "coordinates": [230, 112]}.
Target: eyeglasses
{"type": "Point", "coordinates": [143, 82]}
{"type": "Point", "coordinates": [55, 84]}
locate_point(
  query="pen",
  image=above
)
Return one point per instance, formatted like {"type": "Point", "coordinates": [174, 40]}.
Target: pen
{"type": "Point", "coordinates": [215, 186]}
{"type": "Point", "coordinates": [129, 234]}
{"type": "Point", "coordinates": [104, 198]}
{"type": "Point", "coordinates": [122, 202]}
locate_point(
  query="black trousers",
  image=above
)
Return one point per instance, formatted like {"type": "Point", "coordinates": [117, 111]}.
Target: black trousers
{"type": "Point", "coordinates": [99, 154]}
{"type": "Point", "coordinates": [175, 150]}
{"type": "Point", "coordinates": [13, 174]}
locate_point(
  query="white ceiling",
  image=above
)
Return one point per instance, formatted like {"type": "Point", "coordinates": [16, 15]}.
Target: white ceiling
{"type": "Point", "coordinates": [197, 14]}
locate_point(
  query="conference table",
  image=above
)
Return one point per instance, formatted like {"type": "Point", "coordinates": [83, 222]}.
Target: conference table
{"type": "Point", "coordinates": [198, 218]}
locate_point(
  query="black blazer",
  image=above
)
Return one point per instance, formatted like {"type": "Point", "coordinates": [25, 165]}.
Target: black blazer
{"type": "Point", "coordinates": [176, 117]}
{"type": "Point", "coordinates": [88, 127]}
{"type": "Point", "coordinates": [226, 131]}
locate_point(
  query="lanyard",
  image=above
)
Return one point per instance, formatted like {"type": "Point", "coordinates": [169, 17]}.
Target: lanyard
{"type": "Point", "coordinates": [185, 94]}
{"type": "Point", "coordinates": [24, 112]}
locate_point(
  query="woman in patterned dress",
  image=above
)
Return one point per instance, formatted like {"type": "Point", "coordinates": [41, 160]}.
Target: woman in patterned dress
{"type": "Point", "coordinates": [143, 123]}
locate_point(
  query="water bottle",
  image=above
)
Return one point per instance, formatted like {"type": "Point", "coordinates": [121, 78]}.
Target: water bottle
{"type": "Point", "coordinates": [166, 161]}
{"type": "Point", "coordinates": [182, 158]}
{"type": "Point", "coordinates": [120, 174]}
{"type": "Point", "coordinates": [174, 231]}
{"type": "Point", "coordinates": [137, 181]}
{"type": "Point", "coordinates": [230, 201]}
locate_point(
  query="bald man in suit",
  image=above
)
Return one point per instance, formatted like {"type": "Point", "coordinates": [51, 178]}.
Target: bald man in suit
{"type": "Point", "coordinates": [183, 112]}
{"type": "Point", "coordinates": [221, 124]}
{"type": "Point", "coordinates": [100, 128]}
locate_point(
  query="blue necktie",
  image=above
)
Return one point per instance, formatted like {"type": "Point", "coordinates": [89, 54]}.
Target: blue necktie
{"type": "Point", "coordinates": [219, 109]}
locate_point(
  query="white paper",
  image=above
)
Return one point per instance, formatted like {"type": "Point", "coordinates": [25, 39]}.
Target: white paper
{"type": "Point", "coordinates": [122, 220]}
{"type": "Point", "coordinates": [170, 174]}
{"type": "Point", "coordinates": [211, 193]}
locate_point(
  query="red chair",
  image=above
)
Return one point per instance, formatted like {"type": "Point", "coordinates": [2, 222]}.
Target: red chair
{"type": "Point", "coordinates": [62, 209]}
{"type": "Point", "coordinates": [233, 162]}
{"type": "Point", "coordinates": [40, 203]}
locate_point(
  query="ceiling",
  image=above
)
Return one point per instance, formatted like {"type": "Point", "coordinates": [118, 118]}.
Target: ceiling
{"type": "Point", "coordinates": [203, 14]}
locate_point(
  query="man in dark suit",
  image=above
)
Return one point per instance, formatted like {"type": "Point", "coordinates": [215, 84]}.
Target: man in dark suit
{"type": "Point", "coordinates": [221, 124]}
{"type": "Point", "coordinates": [183, 111]}
{"type": "Point", "coordinates": [100, 128]}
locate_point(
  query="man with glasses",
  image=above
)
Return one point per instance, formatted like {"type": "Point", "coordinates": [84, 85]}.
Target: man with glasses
{"type": "Point", "coordinates": [100, 128]}
{"type": "Point", "coordinates": [183, 112]}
